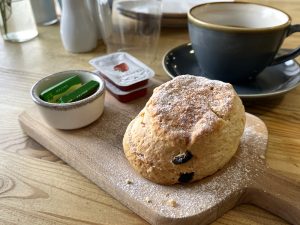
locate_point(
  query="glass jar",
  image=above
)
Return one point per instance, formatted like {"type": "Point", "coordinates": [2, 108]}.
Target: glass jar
{"type": "Point", "coordinates": [17, 22]}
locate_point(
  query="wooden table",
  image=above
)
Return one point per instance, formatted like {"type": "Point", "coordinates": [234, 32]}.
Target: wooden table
{"type": "Point", "coordinates": [38, 188]}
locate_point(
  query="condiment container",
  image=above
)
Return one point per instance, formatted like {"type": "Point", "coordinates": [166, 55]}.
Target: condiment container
{"type": "Point", "coordinates": [70, 115]}
{"type": "Point", "coordinates": [123, 70]}
{"type": "Point", "coordinates": [127, 96]}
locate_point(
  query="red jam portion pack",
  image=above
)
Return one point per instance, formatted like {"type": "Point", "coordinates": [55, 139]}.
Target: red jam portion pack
{"type": "Point", "coordinates": [123, 70]}
{"type": "Point", "coordinates": [126, 96]}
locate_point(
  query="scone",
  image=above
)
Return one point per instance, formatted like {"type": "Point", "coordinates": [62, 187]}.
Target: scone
{"type": "Point", "coordinates": [189, 129]}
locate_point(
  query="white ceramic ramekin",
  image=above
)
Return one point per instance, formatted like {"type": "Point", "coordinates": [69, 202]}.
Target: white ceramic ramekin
{"type": "Point", "coordinates": [70, 115]}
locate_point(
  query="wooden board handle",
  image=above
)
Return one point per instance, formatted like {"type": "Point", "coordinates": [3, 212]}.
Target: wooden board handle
{"type": "Point", "coordinates": [277, 194]}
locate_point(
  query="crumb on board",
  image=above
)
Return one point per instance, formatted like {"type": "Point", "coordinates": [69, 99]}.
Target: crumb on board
{"type": "Point", "coordinates": [172, 203]}
{"type": "Point", "coordinates": [148, 200]}
{"type": "Point", "coordinates": [149, 170]}
{"type": "Point", "coordinates": [168, 194]}
{"type": "Point", "coordinates": [128, 181]}
{"type": "Point", "coordinates": [262, 157]}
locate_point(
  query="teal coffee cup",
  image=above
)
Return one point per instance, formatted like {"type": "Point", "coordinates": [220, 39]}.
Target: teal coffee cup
{"type": "Point", "coordinates": [235, 41]}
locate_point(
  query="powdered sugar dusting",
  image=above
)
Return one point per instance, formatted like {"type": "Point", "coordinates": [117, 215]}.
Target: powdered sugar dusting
{"type": "Point", "coordinates": [198, 197]}
{"type": "Point", "coordinates": [179, 104]}
{"type": "Point", "coordinates": [96, 151]}
{"type": "Point", "coordinates": [111, 171]}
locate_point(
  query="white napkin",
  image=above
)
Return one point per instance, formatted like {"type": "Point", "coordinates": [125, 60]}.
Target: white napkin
{"type": "Point", "coordinates": [182, 6]}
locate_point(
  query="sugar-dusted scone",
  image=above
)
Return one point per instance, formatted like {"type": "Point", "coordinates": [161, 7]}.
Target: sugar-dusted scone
{"type": "Point", "coordinates": [189, 129]}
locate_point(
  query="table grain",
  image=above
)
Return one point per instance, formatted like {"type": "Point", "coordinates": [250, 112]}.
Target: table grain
{"type": "Point", "coordinates": [38, 188]}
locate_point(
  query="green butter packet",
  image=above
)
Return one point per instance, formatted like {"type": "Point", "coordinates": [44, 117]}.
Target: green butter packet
{"type": "Point", "coordinates": [52, 94]}
{"type": "Point", "coordinates": [82, 92]}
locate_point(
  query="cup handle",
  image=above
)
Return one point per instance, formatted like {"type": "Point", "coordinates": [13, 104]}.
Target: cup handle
{"type": "Point", "coordinates": [294, 53]}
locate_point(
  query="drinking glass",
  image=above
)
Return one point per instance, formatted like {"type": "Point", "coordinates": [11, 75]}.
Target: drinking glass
{"type": "Point", "coordinates": [17, 23]}
{"type": "Point", "coordinates": [44, 12]}
{"type": "Point", "coordinates": [132, 26]}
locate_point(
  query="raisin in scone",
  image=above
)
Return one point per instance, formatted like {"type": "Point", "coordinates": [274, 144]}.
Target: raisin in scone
{"type": "Point", "coordinates": [190, 128]}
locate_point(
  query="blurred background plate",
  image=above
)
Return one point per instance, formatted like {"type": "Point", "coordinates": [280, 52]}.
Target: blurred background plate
{"type": "Point", "coordinates": [175, 11]}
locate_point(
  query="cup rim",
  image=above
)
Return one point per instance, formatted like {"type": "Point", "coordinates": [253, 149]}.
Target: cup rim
{"type": "Point", "coordinates": [196, 21]}
{"type": "Point", "coordinates": [66, 106]}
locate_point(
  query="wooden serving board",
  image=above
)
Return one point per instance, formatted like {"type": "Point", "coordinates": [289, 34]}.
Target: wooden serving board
{"type": "Point", "coordinates": [96, 152]}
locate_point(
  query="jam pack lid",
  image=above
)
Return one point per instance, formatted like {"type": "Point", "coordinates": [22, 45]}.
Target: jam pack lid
{"type": "Point", "coordinates": [122, 68]}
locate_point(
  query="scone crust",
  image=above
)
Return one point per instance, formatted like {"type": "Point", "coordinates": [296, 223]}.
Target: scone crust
{"type": "Point", "coordinates": [189, 113]}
